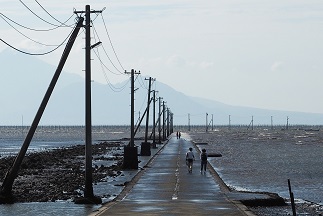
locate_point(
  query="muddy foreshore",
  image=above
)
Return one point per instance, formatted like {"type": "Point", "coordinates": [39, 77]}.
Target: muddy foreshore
{"type": "Point", "coordinates": [59, 174]}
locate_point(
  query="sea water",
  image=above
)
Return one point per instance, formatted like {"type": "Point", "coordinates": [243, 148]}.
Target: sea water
{"type": "Point", "coordinates": [264, 159]}
{"type": "Point", "coordinates": [261, 159]}
{"type": "Point", "coordinates": [51, 137]}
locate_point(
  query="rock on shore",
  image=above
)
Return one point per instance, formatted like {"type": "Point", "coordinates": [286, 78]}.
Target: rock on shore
{"type": "Point", "coordinates": [59, 174]}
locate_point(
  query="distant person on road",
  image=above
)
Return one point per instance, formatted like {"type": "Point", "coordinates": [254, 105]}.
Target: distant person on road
{"type": "Point", "coordinates": [189, 159]}
{"type": "Point", "coordinates": [203, 158]}
{"type": "Point", "coordinates": [179, 135]}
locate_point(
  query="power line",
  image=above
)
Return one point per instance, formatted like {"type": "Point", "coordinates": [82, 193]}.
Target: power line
{"type": "Point", "coordinates": [142, 83]}
{"type": "Point", "coordinates": [24, 34]}
{"type": "Point", "coordinates": [62, 23]}
{"type": "Point", "coordinates": [112, 87]}
{"type": "Point", "coordinates": [36, 14]}
{"type": "Point", "coordinates": [106, 51]}
{"type": "Point", "coordinates": [106, 29]}
{"type": "Point", "coordinates": [105, 65]}
{"type": "Point", "coordinates": [32, 29]}
{"type": "Point", "coordinates": [28, 53]}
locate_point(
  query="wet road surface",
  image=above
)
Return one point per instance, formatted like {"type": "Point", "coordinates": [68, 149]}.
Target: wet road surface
{"type": "Point", "coordinates": [166, 187]}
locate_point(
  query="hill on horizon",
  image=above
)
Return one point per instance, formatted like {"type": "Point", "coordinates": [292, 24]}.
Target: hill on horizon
{"type": "Point", "coordinates": [24, 81]}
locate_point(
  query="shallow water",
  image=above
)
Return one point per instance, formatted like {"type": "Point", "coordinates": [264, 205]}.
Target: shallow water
{"type": "Point", "coordinates": [253, 160]}
{"type": "Point", "coordinates": [50, 137]}
{"type": "Point", "coordinates": [264, 160]}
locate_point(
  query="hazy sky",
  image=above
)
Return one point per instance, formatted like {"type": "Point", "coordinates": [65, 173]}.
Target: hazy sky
{"type": "Point", "coordinates": [264, 54]}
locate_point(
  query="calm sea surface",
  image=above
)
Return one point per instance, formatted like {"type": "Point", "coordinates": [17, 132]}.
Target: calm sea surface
{"type": "Point", "coordinates": [263, 159]}
{"type": "Point", "coordinates": [254, 160]}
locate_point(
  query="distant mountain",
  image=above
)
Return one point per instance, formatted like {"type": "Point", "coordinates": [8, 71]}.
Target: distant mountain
{"type": "Point", "coordinates": [24, 81]}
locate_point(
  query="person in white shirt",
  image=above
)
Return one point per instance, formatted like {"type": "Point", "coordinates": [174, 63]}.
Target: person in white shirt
{"type": "Point", "coordinates": [189, 159]}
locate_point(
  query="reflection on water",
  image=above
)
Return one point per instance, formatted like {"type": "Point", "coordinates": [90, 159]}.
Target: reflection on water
{"type": "Point", "coordinates": [61, 208]}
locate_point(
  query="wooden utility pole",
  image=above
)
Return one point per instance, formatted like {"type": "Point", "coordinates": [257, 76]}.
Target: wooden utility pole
{"type": "Point", "coordinates": [164, 135]}
{"type": "Point", "coordinates": [154, 119]}
{"type": "Point", "coordinates": [159, 122]}
{"type": "Point", "coordinates": [6, 188]}
{"type": "Point", "coordinates": [88, 190]}
{"type": "Point", "coordinates": [168, 121]}
{"type": "Point", "coordinates": [271, 123]}
{"type": "Point", "coordinates": [189, 122]}
{"type": "Point", "coordinates": [206, 123]}
{"type": "Point", "coordinates": [212, 122]}
{"type": "Point", "coordinates": [229, 122]}
{"type": "Point", "coordinates": [145, 146]}
{"type": "Point", "coordinates": [130, 158]}
{"type": "Point", "coordinates": [171, 123]}
{"type": "Point", "coordinates": [147, 114]}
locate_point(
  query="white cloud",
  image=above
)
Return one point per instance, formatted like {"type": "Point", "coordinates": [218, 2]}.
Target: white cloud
{"type": "Point", "coordinates": [276, 66]}
{"type": "Point", "coordinates": [205, 64]}
{"type": "Point", "coordinates": [176, 61]}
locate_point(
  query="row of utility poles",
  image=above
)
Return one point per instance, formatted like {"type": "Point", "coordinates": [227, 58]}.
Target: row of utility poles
{"type": "Point", "coordinates": [130, 151]}
{"type": "Point", "coordinates": [210, 123]}
{"type": "Point", "coordinates": [164, 122]}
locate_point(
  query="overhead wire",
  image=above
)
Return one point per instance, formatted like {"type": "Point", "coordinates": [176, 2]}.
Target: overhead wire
{"type": "Point", "coordinates": [106, 29]}
{"type": "Point", "coordinates": [62, 23]}
{"type": "Point", "coordinates": [142, 83]}
{"type": "Point", "coordinates": [33, 29]}
{"type": "Point", "coordinates": [44, 53]}
{"type": "Point", "coordinates": [24, 34]}
{"type": "Point", "coordinates": [106, 52]}
{"type": "Point", "coordinates": [111, 86]}
{"type": "Point", "coordinates": [36, 14]}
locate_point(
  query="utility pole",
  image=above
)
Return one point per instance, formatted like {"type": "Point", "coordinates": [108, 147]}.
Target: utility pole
{"type": "Point", "coordinates": [164, 135]}
{"type": "Point", "coordinates": [159, 122]}
{"type": "Point", "coordinates": [189, 122]}
{"type": "Point", "coordinates": [6, 188]}
{"type": "Point", "coordinates": [171, 122]}
{"type": "Point", "coordinates": [229, 122]}
{"type": "Point", "coordinates": [88, 190]}
{"type": "Point", "coordinates": [168, 122]}
{"type": "Point", "coordinates": [212, 122]}
{"type": "Point", "coordinates": [130, 158]}
{"type": "Point", "coordinates": [271, 122]}
{"type": "Point", "coordinates": [206, 123]}
{"type": "Point", "coordinates": [154, 119]}
{"type": "Point", "coordinates": [139, 117]}
{"type": "Point", "coordinates": [145, 146]}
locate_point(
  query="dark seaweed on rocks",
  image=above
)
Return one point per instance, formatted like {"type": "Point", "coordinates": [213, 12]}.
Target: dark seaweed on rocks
{"type": "Point", "coordinates": [59, 174]}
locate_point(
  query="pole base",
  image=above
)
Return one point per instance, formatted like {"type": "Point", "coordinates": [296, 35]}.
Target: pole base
{"type": "Point", "coordinates": [154, 145]}
{"type": "Point", "coordinates": [145, 149]}
{"type": "Point", "coordinates": [130, 157]}
{"type": "Point", "coordinates": [88, 200]}
{"type": "Point", "coordinates": [6, 199]}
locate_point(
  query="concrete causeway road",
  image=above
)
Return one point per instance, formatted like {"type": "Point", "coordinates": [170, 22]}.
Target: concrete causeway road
{"type": "Point", "coordinates": [166, 187]}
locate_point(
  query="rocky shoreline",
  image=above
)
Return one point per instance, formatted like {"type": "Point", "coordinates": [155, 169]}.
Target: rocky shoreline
{"type": "Point", "coordinates": [59, 174]}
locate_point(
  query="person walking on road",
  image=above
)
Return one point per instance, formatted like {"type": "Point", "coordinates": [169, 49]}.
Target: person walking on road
{"type": "Point", "coordinates": [203, 158]}
{"type": "Point", "coordinates": [189, 159]}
